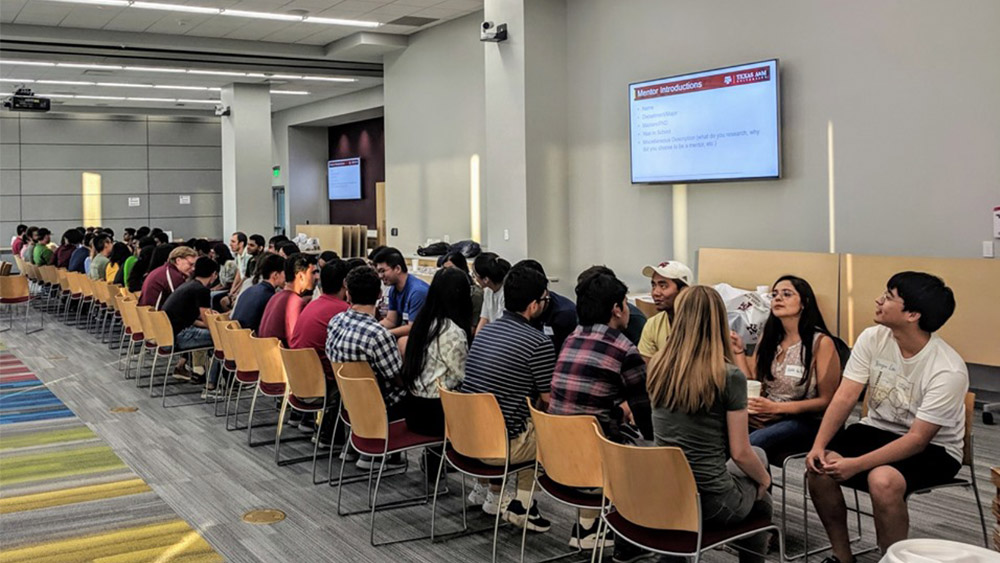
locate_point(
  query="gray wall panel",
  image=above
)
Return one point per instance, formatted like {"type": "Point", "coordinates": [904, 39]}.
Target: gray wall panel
{"type": "Point", "coordinates": [82, 132]}
{"type": "Point", "coordinates": [7, 230]}
{"type": "Point", "coordinates": [46, 208]}
{"type": "Point", "coordinates": [184, 134]}
{"type": "Point", "coordinates": [207, 227]}
{"type": "Point", "coordinates": [83, 157]}
{"type": "Point", "coordinates": [10, 157]}
{"type": "Point", "coordinates": [116, 207]}
{"type": "Point", "coordinates": [185, 158]}
{"type": "Point", "coordinates": [10, 182]}
{"type": "Point", "coordinates": [185, 181]}
{"type": "Point", "coordinates": [9, 131]}
{"type": "Point", "coordinates": [169, 205]}
{"type": "Point", "coordinates": [10, 210]}
{"type": "Point", "coordinates": [55, 182]}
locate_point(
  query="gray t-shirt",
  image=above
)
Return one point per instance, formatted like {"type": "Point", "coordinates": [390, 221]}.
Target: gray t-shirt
{"type": "Point", "coordinates": [703, 436]}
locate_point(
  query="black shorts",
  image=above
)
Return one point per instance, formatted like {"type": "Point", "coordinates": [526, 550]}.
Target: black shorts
{"type": "Point", "coordinates": [933, 466]}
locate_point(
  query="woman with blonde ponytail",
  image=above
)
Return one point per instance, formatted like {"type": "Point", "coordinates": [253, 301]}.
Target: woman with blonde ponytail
{"type": "Point", "coordinates": [699, 400]}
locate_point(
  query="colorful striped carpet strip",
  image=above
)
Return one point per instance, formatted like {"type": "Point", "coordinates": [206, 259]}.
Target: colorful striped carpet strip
{"type": "Point", "coordinates": [64, 494]}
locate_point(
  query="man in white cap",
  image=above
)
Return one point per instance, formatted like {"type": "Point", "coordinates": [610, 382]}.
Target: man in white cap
{"type": "Point", "coordinates": [667, 280]}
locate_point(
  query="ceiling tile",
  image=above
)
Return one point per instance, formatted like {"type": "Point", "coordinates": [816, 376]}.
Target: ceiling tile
{"type": "Point", "coordinates": [9, 9]}
{"type": "Point", "coordinates": [360, 5]}
{"type": "Point", "coordinates": [420, 3]}
{"type": "Point", "coordinates": [42, 13]}
{"type": "Point", "coordinates": [256, 30]}
{"type": "Point", "coordinates": [294, 33]}
{"type": "Point", "coordinates": [134, 20]}
{"type": "Point", "coordinates": [435, 12]}
{"type": "Point", "coordinates": [177, 23]}
{"type": "Point", "coordinates": [217, 26]}
{"type": "Point", "coordinates": [461, 5]}
{"type": "Point", "coordinates": [310, 5]}
{"type": "Point", "coordinates": [90, 17]}
{"type": "Point", "coordinates": [333, 33]}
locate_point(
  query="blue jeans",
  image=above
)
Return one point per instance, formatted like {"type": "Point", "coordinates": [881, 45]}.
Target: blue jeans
{"type": "Point", "coordinates": [793, 435]}
{"type": "Point", "coordinates": [192, 337]}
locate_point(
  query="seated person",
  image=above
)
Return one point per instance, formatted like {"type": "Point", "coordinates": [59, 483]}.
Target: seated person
{"type": "Point", "coordinates": [600, 373]}
{"type": "Point", "coordinates": [797, 364]}
{"type": "Point", "coordinates": [186, 309]}
{"type": "Point", "coordinates": [406, 292]}
{"type": "Point", "coordinates": [287, 248]}
{"type": "Point", "coordinates": [436, 350]}
{"type": "Point", "coordinates": [310, 332]}
{"type": "Point", "coordinates": [489, 270]}
{"type": "Point", "coordinates": [42, 255]}
{"type": "Point", "coordinates": [913, 435]}
{"type": "Point", "coordinates": [120, 252]}
{"type": "Point", "coordinates": [71, 241]}
{"type": "Point", "coordinates": [17, 241]}
{"type": "Point", "coordinates": [283, 310]}
{"type": "Point", "coordinates": [137, 272]}
{"type": "Point", "coordinates": [80, 255]}
{"type": "Point", "coordinates": [666, 281]}
{"type": "Point", "coordinates": [163, 280]}
{"type": "Point", "coordinates": [457, 260]}
{"type": "Point", "coordinates": [227, 264]}
{"type": "Point", "coordinates": [98, 268]}
{"type": "Point", "coordinates": [636, 318]}
{"type": "Point", "coordinates": [273, 242]}
{"type": "Point", "coordinates": [356, 336]}
{"type": "Point", "coordinates": [513, 360]}
{"type": "Point", "coordinates": [699, 400]}
{"type": "Point", "coordinates": [271, 279]}
{"type": "Point", "coordinates": [558, 318]}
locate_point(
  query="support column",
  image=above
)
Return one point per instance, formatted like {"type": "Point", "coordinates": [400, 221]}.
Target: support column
{"type": "Point", "coordinates": [247, 203]}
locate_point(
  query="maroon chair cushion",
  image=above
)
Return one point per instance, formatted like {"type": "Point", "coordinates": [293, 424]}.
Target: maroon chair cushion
{"type": "Point", "coordinates": [270, 389]}
{"type": "Point", "coordinates": [569, 495]}
{"type": "Point", "coordinates": [679, 541]}
{"type": "Point", "coordinates": [477, 468]}
{"type": "Point", "coordinates": [13, 300]}
{"type": "Point", "coordinates": [219, 355]}
{"type": "Point", "coordinates": [229, 364]}
{"type": "Point", "coordinates": [299, 405]}
{"type": "Point", "coordinates": [247, 376]}
{"type": "Point", "coordinates": [400, 438]}
{"type": "Point", "coordinates": [137, 337]}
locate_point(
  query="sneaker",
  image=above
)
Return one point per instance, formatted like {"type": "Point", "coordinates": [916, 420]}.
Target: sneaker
{"type": "Point", "coordinates": [395, 461]}
{"type": "Point", "coordinates": [182, 373]}
{"type": "Point", "coordinates": [307, 426]}
{"type": "Point", "coordinates": [210, 393]}
{"type": "Point", "coordinates": [349, 454]}
{"type": "Point", "coordinates": [532, 519]}
{"type": "Point", "coordinates": [197, 379]}
{"type": "Point", "coordinates": [586, 538]}
{"type": "Point", "coordinates": [324, 442]}
{"type": "Point", "coordinates": [478, 494]}
{"type": "Point", "coordinates": [626, 552]}
{"type": "Point", "coordinates": [492, 504]}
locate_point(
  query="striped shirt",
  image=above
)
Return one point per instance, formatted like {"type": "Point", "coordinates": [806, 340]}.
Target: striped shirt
{"type": "Point", "coordinates": [599, 368]}
{"type": "Point", "coordinates": [512, 360]}
{"type": "Point", "coordinates": [353, 336]}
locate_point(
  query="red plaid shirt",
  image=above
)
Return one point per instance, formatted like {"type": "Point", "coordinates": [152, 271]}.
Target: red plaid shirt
{"type": "Point", "coordinates": [598, 369]}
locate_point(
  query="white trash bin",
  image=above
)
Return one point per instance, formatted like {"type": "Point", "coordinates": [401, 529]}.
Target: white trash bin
{"type": "Point", "coordinates": [938, 551]}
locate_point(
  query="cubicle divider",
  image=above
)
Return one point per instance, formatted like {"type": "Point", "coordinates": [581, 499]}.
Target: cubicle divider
{"type": "Point", "coordinates": [847, 285]}
{"type": "Point", "coordinates": [348, 241]}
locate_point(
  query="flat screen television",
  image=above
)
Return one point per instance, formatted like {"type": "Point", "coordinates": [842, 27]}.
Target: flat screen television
{"type": "Point", "coordinates": [709, 126]}
{"type": "Point", "coordinates": [343, 178]}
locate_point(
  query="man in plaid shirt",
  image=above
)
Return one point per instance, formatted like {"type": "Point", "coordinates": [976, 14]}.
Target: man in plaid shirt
{"type": "Point", "coordinates": [601, 373]}
{"type": "Point", "coordinates": [356, 336]}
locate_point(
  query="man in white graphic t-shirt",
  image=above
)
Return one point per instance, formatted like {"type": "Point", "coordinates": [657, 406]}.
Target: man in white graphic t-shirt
{"type": "Point", "coordinates": [913, 434]}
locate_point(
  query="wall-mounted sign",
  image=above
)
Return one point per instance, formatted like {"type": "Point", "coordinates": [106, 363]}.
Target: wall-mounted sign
{"type": "Point", "coordinates": [133, 202]}
{"type": "Point", "coordinates": [185, 200]}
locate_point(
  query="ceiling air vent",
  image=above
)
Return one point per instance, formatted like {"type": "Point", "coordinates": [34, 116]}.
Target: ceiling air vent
{"type": "Point", "coordinates": [412, 21]}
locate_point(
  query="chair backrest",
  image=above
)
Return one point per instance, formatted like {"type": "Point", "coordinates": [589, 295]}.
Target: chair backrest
{"type": "Point", "coordinates": [5, 268]}
{"type": "Point", "coordinates": [163, 331]}
{"type": "Point", "coordinates": [100, 288]}
{"type": "Point", "coordinates": [651, 487]}
{"type": "Point", "coordinates": [474, 424]}
{"type": "Point", "coordinates": [242, 349]}
{"type": "Point", "coordinates": [13, 287]}
{"type": "Point", "coordinates": [226, 338]}
{"type": "Point", "coordinates": [31, 271]}
{"type": "Point", "coordinates": [86, 285]}
{"type": "Point", "coordinates": [304, 372]}
{"type": "Point", "coordinates": [364, 404]}
{"type": "Point", "coordinates": [64, 279]}
{"type": "Point", "coordinates": [127, 305]}
{"type": "Point", "coordinates": [147, 329]}
{"type": "Point", "coordinates": [48, 274]}
{"type": "Point", "coordinates": [568, 449]}
{"type": "Point", "coordinates": [20, 264]}
{"type": "Point", "coordinates": [353, 370]}
{"type": "Point", "coordinates": [266, 353]}
{"type": "Point", "coordinates": [112, 292]}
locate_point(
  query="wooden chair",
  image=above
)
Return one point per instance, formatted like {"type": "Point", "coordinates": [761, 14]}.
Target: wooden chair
{"type": "Point", "coordinates": [475, 430]}
{"type": "Point", "coordinates": [655, 503]}
{"type": "Point", "coordinates": [249, 371]}
{"type": "Point", "coordinates": [272, 382]}
{"type": "Point", "coordinates": [148, 340]}
{"type": "Point", "coordinates": [16, 290]}
{"type": "Point", "coordinates": [132, 331]}
{"type": "Point", "coordinates": [567, 448]}
{"type": "Point", "coordinates": [50, 284]}
{"type": "Point", "coordinates": [372, 434]}
{"type": "Point", "coordinates": [648, 308]}
{"type": "Point", "coordinates": [163, 334]}
{"type": "Point", "coordinates": [5, 268]}
{"type": "Point", "coordinates": [67, 293]}
{"type": "Point", "coordinates": [85, 285]}
{"type": "Point", "coordinates": [214, 319]}
{"type": "Point", "coordinates": [306, 380]}
{"type": "Point", "coordinates": [239, 378]}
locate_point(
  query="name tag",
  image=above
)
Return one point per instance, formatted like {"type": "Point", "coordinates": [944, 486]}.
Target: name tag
{"type": "Point", "coordinates": [547, 330]}
{"type": "Point", "coordinates": [406, 317]}
{"type": "Point", "coordinates": [794, 371]}
{"type": "Point", "coordinates": [886, 367]}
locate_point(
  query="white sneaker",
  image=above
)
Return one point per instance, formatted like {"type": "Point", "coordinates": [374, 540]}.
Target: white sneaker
{"type": "Point", "coordinates": [492, 504]}
{"type": "Point", "coordinates": [478, 494]}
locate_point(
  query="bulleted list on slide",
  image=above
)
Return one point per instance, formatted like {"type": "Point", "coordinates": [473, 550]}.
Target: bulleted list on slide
{"type": "Point", "coordinates": [715, 125]}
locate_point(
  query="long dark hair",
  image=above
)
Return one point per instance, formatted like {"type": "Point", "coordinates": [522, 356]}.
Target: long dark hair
{"type": "Point", "coordinates": [810, 322]}
{"type": "Point", "coordinates": [119, 253]}
{"type": "Point", "coordinates": [222, 254]}
{"type": "Point", "coordinates": [449, 297]}
{"type": "Point", "coordinates": [139, 269]}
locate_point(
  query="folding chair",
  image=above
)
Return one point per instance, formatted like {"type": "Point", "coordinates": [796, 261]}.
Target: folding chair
{"type": "Point", "coordinates": [655, 503]}
{"type": "Point", "coordinates": [372, 434]}
{"type": "Point", "coordinates": [306, 380]}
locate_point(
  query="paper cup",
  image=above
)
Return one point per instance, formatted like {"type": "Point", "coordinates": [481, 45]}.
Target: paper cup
{"type": "Point", "coordinates": [753, 388]}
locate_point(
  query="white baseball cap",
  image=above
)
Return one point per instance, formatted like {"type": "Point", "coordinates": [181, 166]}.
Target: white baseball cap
{"type": "Point", "coordinates": [672, 270]}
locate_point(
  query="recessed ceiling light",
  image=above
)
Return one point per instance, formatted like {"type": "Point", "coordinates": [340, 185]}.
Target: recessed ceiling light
{"type": "Point", "coordinates": [174, 70]}
{"type": "Point", "coordinates": [174, 8]}
{"type": "Point", "coordinates": [66, 82]}
{"type": "Point", "coordinates": [291, 92]}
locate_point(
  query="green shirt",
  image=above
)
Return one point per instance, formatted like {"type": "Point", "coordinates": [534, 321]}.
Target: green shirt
{"type": "Point", "coordinates": [704, 436]}
{"type": "Point", "coordinates": [127, 266]}
{"type": "Point", "coordinates": [42, 255]}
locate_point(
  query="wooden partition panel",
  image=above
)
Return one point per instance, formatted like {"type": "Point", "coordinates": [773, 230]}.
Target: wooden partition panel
{"type": "Point", "coordinates": [348, 241]}
{"type": "Point", "coordinates": [974, 329]}
{"type": "Point", "coordinates": [747, 269]}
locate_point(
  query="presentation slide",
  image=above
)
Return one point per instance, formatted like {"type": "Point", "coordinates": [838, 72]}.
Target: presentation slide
{"type": "Point", "coordinates": [714, 125]}
{"type": "Point", "coordinates": [343, 178]}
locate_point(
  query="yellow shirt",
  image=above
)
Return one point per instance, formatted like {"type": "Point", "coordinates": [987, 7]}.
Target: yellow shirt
{"type": "Point", "coordinates": [654, 334]}
{"type": "Point", "coordinates": [111, 272]}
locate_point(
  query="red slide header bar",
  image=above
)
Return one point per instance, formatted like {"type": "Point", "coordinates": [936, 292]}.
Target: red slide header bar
{"type": "Point", "coordinates": [345, 162]}
{"type": "Point", "coordinates": [711, 82]}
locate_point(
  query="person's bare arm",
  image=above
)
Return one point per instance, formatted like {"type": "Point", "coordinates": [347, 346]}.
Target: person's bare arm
{"type": "Point", "coordinates": [742, 453]}
{"type": "Point", "coordinates": [907, 445]}
{"type": "Point", "coordinates": [833, 420]}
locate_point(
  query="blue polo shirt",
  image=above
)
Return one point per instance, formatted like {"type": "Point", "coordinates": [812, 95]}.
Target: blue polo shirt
{"type": "Point", "coordinates": [409, 301]}
{"type": "Point", "coordinates": [78, 259]}
{"type": "Point", "coordinates": [250, 306]}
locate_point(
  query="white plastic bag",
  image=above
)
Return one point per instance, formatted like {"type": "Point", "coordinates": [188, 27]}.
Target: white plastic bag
{"type": "Point", "coordinates": [747, 311]}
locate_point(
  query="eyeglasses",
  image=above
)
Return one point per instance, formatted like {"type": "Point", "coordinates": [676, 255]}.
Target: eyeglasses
{"type": "Point", "coordinates": [784, 294]}
{"type": "Point", "coordinates": [888, 296]}
{"type": "Point", "coordinates": [545, 299]}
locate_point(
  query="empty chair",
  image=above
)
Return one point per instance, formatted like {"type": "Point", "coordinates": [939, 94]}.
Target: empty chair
{"type": "Point", "coordinates": [15, 290]}
{"type": "Point", "coordinates": [306, 380]}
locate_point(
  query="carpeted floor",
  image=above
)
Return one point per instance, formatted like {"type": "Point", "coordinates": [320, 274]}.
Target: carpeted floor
{"type": "Point", "coordinates": [66, 496]}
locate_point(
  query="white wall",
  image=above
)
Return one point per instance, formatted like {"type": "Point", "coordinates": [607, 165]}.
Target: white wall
{"type": "Point", "coordinates": [154, 158]}
{"type": "Point", "coordinates": [434, 124]}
